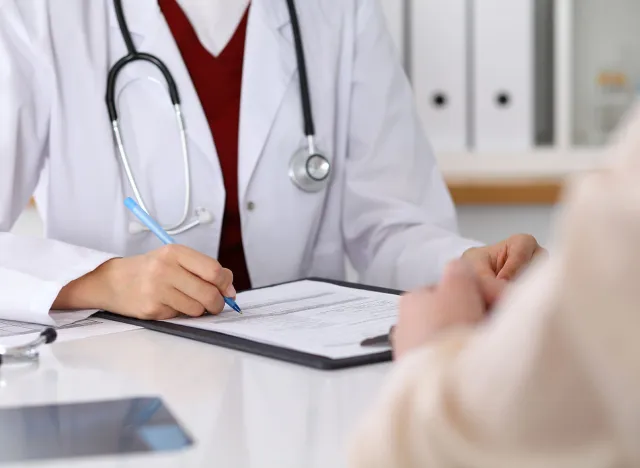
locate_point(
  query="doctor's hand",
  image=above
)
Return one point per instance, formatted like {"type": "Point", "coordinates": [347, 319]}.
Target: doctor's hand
{"type": "Point", "coordinates": [159, 285]}
{"type": "Point", "coordinates": [497, 264]}
{"type": "Point", "coordinates": [456, 301]}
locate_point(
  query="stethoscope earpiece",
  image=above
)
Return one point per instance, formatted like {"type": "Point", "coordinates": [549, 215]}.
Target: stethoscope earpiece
{"type": "Point", "coordinates": [202, 216]}
{"type": "Point", "coordinates": [136, 228]}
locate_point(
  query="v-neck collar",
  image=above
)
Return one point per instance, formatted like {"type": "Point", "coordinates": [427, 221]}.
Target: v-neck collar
{"type": "Point", "coordinates": [214, 21]}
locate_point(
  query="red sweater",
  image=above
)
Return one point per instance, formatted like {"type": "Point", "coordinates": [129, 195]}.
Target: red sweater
{"type": "Point", "coordinates": [218, 82]}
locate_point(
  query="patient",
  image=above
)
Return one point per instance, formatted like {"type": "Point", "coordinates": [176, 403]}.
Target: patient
{"type": "Point", "coordinates": [551, 378]}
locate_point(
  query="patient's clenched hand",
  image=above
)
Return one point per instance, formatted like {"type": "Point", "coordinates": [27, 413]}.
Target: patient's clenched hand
{"type": "Point", "coordinates": [457, 300]}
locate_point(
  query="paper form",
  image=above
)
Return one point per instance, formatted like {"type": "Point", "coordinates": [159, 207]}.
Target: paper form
{"type": "Point", "coordinates": [309, 316]}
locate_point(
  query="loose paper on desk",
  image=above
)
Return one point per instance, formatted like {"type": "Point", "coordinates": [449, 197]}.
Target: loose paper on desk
{"type": "Point", "coordinates": [308, 316]}
{"type": "Point", "coordinates": [17, 333]}
{"type": "Point", "coordinates": [52, 318]}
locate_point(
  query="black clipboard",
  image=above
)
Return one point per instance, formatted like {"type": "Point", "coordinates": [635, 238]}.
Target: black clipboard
{"type": "Point", "coordinates": [262, 349]}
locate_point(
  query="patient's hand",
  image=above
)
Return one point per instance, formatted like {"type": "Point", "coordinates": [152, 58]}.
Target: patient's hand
{"type": "Point", "coordinates": [498, 264]}
{"type": "Point", "coordinates": [457, 300]}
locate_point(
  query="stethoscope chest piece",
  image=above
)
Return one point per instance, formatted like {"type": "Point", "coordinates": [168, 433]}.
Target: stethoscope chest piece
{"type": "Point", "coordinates": [28, 352]}
{"type": "Point", "coordinates": [309, 171]}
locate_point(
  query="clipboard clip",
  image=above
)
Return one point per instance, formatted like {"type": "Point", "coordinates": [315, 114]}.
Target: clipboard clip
{"type": "Point", "coordinates": [379, 341]}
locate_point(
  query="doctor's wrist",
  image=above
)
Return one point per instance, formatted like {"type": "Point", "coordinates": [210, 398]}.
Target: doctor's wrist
{"type": "Point", "coordinates": [91, 291]}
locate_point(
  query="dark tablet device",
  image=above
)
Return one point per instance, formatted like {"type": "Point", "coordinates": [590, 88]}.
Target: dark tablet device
{"type": "Point", "coordinates": [99, 428]}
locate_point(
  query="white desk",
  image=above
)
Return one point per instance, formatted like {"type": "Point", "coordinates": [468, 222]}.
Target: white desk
{"type": "Point", "coordinates": [241, 410]}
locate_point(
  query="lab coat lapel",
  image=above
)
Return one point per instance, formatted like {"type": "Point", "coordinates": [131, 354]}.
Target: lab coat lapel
{"type": "Point", "coordinates": [268, 70]}
{"type": "Point", "coordinates": [152, 35]}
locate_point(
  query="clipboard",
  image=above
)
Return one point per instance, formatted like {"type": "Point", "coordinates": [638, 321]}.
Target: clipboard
{"type": "Point", "coordinates": [262, 349]}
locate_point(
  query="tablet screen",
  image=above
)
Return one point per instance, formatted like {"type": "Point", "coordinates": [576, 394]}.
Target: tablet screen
{"type": "Point", "coordinates": [98, 428]}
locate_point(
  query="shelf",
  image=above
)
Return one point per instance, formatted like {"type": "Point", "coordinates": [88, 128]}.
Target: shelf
{"type": "Point", "coordinates": [543, 191]}
{"type": "Point", "coordinates": [518, 178]}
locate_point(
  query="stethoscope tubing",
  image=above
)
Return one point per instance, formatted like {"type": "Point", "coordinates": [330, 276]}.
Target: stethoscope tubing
{"type": "Point", "coordinates": [305, 93]}
{"type": "Point", "coordinates": [300, 164]}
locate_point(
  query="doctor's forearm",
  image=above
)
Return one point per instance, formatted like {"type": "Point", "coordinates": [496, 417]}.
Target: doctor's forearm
{"type": "Point", "coordinates": [90, 291]}
{"type": "Point", "coordinates": [158, 285]}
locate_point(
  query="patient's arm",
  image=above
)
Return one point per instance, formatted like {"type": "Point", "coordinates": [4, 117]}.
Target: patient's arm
{"type": "Point", "coordinates": [553, 377]}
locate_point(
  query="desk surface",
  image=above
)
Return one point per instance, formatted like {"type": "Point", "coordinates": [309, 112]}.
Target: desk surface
{"type": "Point", "coordinates": [242, 410]}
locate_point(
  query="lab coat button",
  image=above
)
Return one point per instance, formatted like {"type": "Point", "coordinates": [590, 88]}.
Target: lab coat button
{"type": "Point", "coordinates": [251, 206]}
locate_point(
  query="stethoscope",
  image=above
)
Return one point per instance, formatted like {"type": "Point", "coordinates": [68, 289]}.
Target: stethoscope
{"type": "Point", "coordinates": [309, 169]}
{"type": "Point", "coordinates": [29, 352]}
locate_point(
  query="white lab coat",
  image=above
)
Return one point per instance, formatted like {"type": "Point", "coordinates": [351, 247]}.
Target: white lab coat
{"type": "Point", "coordinates": [387, 206]}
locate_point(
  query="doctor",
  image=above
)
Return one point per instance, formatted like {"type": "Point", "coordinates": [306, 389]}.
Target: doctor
{"type": "Point", "coordinates": [289, 139]}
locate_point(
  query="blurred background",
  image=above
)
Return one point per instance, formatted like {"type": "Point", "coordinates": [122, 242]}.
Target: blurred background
{"type": "Point", "coordinates": [515, 95]}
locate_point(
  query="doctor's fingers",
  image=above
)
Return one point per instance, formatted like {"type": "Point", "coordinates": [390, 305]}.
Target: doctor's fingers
{"type": "Point", "coordinates": [181, 303]}
{"type": "Point", "coordinates": [154, 311]}
{"type": "Point", "coordinates": [204, 294]}
{"type": "Point", "coordinates": [203, 266]}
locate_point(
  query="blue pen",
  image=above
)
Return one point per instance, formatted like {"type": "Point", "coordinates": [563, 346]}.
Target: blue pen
{"type": "Point", "coordinates": [154, 227]}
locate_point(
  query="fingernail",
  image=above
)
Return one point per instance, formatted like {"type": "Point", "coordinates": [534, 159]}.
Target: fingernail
{"type": "Point", "coordinates": [230, 291]}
